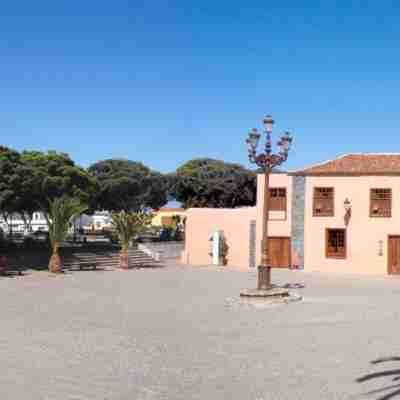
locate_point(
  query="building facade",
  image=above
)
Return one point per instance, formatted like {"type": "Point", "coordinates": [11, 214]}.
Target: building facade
{"type": "Point", "coordinates": [241, 230]}
{"type": "Point", "coordinates": [352, 214]}
{"type": "Point", "coordinates": [165, 216]}
{"type": "Point", "coordinates": [16, 224]}
{"type": "Point", "coordinates": [339, 216]}
{"type": "Point", "coordinates": [100, 220]}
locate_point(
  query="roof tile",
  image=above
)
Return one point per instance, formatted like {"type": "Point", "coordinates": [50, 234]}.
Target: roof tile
{"type": "Point", "coordinates": [356, 164]}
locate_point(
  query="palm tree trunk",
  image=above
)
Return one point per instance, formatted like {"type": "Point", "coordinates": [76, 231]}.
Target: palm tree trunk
{"type": "Point", "coordinates": [124, 258]}
{"type": "Point", "coordinates": [55, 264]}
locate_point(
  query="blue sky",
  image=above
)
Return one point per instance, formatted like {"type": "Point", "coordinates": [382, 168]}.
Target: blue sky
{"type": "Point", "coordinates": [165, 81]}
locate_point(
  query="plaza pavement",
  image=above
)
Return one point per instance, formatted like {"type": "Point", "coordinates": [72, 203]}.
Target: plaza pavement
{"type": "Point", "coordinates": [180, 333]}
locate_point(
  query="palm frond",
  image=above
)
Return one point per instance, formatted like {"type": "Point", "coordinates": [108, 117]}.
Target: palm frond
{"type": "Point", "coordinates": [128, 225]}
{"type": "Point", "coordinates": [61, 212]}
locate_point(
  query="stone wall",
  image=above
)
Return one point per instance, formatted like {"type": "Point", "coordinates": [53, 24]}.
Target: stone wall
{"type": "Point", "coordinates": [298, 208]}
{"type": "Point", "coordinates": [252, 247]}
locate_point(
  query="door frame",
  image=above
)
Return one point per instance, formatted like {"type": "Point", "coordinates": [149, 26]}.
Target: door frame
{"type": "Point", "coordinates": [388, 253]}
{"type": "Point", "coordinates": [290, 250]}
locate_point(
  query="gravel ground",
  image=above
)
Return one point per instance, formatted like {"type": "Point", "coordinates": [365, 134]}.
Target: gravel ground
{"type": "Point", "coordinates": [180, 333]}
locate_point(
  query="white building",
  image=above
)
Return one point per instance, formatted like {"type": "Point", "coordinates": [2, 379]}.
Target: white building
{"type": "Point", "coordinates": [101, 220]}
{"type": "Point", "coordinates": [98, 221]}
{"type": "Point", "coordinates": [16, 224]}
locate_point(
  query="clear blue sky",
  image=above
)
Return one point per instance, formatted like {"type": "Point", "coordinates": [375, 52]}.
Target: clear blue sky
{"type": "Point", "coordinates": [165, 81]}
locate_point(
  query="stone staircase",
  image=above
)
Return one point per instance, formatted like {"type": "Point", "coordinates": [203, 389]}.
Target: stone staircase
{"type": "Point", "coordinates": [110, 258]}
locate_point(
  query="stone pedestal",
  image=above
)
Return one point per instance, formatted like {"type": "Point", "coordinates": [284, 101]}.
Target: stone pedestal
{"type": "Point", "coordinates": [274, 292]}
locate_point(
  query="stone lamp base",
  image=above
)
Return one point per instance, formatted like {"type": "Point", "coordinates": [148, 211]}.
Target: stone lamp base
{"type": "Point", "coordinates": [274, 292]}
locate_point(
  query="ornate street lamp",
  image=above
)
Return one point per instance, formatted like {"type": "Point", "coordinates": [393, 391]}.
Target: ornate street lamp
{"type": "Point", "coordinates": [266, 161]}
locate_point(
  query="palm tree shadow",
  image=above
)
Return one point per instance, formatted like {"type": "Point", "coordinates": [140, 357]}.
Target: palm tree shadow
{"type": "Point", "coordinates": [387, 392]}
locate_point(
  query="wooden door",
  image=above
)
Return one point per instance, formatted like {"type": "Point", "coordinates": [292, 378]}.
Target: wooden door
{"type": "Point", "coordinates": [279, 252]}
{"type": "Point", "coordinates": [394, 255]}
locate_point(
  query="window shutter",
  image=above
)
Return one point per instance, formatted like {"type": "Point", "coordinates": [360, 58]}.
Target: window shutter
{"type": "Point", "coordinates": [277, 199]}
{"type": "Point", "coordinates": [323, 202]}
{"type": "Point", "coordinates": [380, 203]}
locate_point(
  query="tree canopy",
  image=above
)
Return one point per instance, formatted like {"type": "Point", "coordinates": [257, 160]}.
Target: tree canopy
{"type": "Point", "coordinates": [206, 182]}
{"type": "Point", "coordinates": [129, 186]}
{"type": "Point", "coordinates": [31, 180]}
{"type": "Point", "coordinates": [10, 181]}
{"type": "Point", "coordinates": [52, 175]}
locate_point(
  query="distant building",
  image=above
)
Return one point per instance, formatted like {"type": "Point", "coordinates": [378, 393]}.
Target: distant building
{"type": "Point", "coordinates": [165, 216]}
{"type": "Point", "coordinates": [101, 220]}
{"type": "Point", "coordinates": [16, 224]}
{"type": "Point", "coordinates": [98, 221]}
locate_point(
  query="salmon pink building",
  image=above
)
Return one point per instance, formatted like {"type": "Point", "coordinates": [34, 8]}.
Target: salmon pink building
{"type": "Point", "coordinates": [339, 216]}
{"type": "Point", "coordinates": [241, 230]}
{"type": "Point", "coordinates": [352, 214]}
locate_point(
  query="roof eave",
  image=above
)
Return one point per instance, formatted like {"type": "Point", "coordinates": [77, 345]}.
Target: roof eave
{"type": "Point", "coordinates": [305, 173]}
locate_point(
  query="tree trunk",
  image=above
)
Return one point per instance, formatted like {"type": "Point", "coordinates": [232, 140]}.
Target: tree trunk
{"type": "Point", "coordinates": [55, 264]}
{"type": "Point", "coordinates": [10, 229]}
{"type": "Point", "coordinates": [124, 259]}
{"type": "Point", "coordinates": [74, 230]}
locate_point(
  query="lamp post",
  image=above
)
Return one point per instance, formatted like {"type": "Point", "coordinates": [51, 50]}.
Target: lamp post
{"type": "Point", "coordinates": [266, 161]}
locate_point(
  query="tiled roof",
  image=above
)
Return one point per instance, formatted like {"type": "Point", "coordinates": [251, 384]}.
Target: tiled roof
{"type": "Point", "coordinates": [356, 164]}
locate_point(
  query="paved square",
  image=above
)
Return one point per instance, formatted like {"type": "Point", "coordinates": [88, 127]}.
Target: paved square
{"type": "Point", "coordinates": [174, 334]}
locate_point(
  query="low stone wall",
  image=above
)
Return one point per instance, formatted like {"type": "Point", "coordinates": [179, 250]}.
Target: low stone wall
{"type": "Point", "coordinates": [38, 257]}
{"type": "Point", "coordinates": [106, 255]}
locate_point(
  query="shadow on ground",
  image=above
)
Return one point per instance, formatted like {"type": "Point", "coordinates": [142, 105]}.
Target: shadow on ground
{"type": "Point", "coordinates": [21, 260]}
{"type": "Point", "coordinates": [389, 391]}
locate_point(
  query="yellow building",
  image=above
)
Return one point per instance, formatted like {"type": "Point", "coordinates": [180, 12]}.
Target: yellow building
{"type": "Point", "coordinates": [163, 216]}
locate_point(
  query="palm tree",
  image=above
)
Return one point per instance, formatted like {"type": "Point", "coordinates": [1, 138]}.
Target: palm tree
{"type": "Point", "coordinates": [127, 226]}
{"type": "Point", "coordinates": [61, 212]}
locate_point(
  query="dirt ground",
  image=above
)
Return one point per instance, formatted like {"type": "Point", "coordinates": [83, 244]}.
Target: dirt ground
{"type": "Point", "coordinates": [181, 333]}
